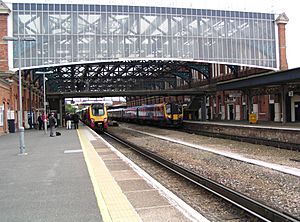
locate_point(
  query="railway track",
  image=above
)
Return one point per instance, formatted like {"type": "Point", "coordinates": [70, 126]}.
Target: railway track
{"type": "Point", "coordinates": [253, 207]}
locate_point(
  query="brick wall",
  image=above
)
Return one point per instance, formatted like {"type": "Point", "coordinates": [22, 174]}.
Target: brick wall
{"type": "Point", "coordinates": [3, 44]}
{"type": "Point", "coordinates": [4, 101]}
{"type": "Point", "coordinates": [282, 47]}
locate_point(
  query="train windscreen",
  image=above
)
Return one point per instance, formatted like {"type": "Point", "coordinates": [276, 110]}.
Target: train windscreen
{"type": "Point", "coordinates": [173, 109]}
{"type": "Point", "coordinates": [98, 110]}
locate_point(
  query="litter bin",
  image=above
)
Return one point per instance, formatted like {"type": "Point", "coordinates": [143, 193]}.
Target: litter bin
{"type": "Point", "coordinates": [252, 118]}
{"type": "Point", "coordinates": [11, 126]}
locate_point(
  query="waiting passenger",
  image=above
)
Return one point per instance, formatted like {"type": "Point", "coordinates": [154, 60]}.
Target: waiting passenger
{"type": "Point", "coordinates": [68, 120]}
{"type": "Point", "coordinates": [75, 120]}
{"type": "Point", "coordinates": [52, 123]}
{"type": "Point", "coordinates": [40, 122]}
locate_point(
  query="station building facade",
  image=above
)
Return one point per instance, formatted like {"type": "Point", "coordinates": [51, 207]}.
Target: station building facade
{"type": "Point", "coordinates": [247, 41]}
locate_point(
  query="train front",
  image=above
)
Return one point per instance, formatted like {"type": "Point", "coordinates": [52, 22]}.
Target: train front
{"type": "Point", "coordinates": [174, 114]}
{"type": "Point", "coordinates": [98, 117]}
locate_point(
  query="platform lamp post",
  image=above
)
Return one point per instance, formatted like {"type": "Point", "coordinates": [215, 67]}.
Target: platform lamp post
{"type": "Point", "coordinates": [21, 128]}
{"type": "Point", "coordinates": [45, 105]}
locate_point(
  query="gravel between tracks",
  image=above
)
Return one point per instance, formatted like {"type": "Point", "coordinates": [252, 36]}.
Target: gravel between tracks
{"type": "Point", "coordinates": [279, 190]}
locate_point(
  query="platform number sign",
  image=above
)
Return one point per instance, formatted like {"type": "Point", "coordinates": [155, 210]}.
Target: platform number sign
{"type": "Point", "coordinates": [1, 115]}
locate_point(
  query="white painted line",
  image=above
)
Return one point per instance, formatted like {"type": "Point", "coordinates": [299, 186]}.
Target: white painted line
{"type": "Point", "coordinates": [280, 168]}
{"type": "Point", "coordinates": [72, 151]}
{"type": "Point", "coordinates": [175, 201]}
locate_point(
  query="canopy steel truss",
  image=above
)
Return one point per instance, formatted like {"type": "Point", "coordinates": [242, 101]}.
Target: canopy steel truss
{"type": "Point", "coordinates": [117, 76]}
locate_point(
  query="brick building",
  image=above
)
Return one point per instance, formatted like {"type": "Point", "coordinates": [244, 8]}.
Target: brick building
{"type": "Point", "coordinates": [5, 76]}
{"type": "Point", "coordinates": [9, 87]}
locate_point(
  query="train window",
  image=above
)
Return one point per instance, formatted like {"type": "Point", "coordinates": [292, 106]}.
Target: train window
{"type": "Point", "coordinates": [177, 109]}
{"type": "Point", "coordinates": [168, 108]}
{"type": "Point", "coordinates": [98, 110]}
{"type": "Point", "coordinates": [173, 109]}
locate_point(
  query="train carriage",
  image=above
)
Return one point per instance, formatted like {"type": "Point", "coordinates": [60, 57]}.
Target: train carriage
{"type": "Point", "coordinates": [165, 114]}
{"type": "Point", "coordinates": [155, 112]}
{"type": "Point", "coordinates": [130, 114]}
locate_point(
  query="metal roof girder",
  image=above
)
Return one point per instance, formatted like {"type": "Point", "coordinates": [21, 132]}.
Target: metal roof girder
{"type": "Point", "coordinates": [234, 69]}
{"type": "Point", "coordinates": [204, 69]}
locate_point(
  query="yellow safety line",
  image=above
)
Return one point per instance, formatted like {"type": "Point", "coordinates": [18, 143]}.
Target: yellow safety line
{"type": "Point", "coordinates": [113, 204]}
{"type": "Point", "coordinates": [101, 203]}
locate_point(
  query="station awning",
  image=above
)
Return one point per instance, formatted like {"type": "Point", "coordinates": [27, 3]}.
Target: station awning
{"type": "Point", "coordinates": [291, 76]}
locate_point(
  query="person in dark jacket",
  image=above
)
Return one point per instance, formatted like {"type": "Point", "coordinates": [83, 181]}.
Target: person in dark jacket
{"type": "Point", "coordinates": [75, 120]}
{"type": "Point", "coordinates": [40, 121]}
{"type": "Point", "coordinates": [52, 123]}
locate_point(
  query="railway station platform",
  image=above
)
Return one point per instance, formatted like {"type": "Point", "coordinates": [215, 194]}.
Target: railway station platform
{"type": "Point", "coordinates": [77, 177]}
{"type": "Point", "coordinates": [266, 133]}
{"type": "Point", "coordinates": [259, 124]}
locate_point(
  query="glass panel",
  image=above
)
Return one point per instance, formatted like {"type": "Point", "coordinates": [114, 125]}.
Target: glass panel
{"type": "Point", "coordinates": [27, 6]}
{"type": "Point", "coordinates": [224, 36]}
{"type": "Point", "coordinates": [168, 109]}
{"type": "Point", "coordinates": [98, 110]}
{"type": "Point", "coordinates": [15, 23]}
{"type": "Point", "coordinates": [15, 6]}
{"type": "Point", "coordinates": [21, 6]}
{"type": "Point", "coordinates": [80, 7]}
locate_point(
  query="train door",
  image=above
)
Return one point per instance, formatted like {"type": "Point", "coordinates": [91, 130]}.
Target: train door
{"type": "Point", "coordinates": [297, 111]}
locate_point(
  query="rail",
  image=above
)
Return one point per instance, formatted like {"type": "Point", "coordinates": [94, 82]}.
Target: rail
{"type": "Point", "coordinates": [253, 207]}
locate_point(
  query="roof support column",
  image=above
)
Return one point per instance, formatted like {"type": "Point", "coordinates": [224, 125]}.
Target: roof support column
{"type": "Point", "coordinates": [249, 103]}
{"type": "Point", "coordinates": [283, 103]}
{"type": "Point", "coordinates": [60, 112]}
{"type": "Point", "coordinates": [31, 121]}
{"type": "Point", "coordinates": [203, 108]}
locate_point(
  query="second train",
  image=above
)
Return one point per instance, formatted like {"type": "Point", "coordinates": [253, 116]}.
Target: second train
{"type": "Point", "coordinates": [163, 114]}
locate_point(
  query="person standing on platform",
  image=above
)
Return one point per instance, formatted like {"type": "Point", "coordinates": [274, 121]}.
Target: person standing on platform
{"type": "Point", "coordinates": [52, 123]}
{"type": "Point", "coordinates": [68, 120]}
{"type": "Point", "coordinates": [45, 119]}
{"type": "Point", "coordinates": [40, 122]}
{"type": "Point", "coordinates": [75, 120]}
